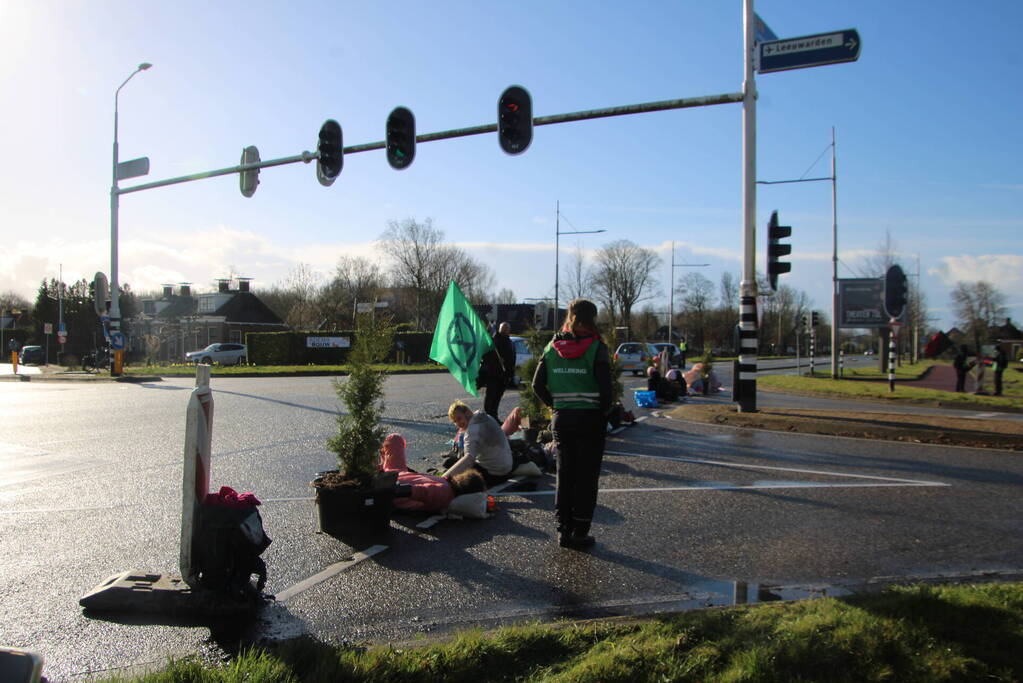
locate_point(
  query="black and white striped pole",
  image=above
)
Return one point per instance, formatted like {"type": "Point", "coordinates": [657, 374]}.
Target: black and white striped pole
{"type": "Point", "coordinates": [747, 379]}
{"type": "Point", "coordinates": [813, 344]}
{"type": "Point", "coordinates": [894, 325]}
{"type": "Point", "coordinates": [841, 363]}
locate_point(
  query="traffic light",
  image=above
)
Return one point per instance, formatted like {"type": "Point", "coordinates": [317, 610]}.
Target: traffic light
{"type": "Point", "coordinates": [331, 153]}
{"type": "Point", "coordinates": [895, 292]}
{"type": "Point", "coordinates": [249, 180]}
{"type": "Point", "coordinates": [775, 249]}
{"type": "Point", "coordinates": [806, 325]}
{"type": "Point", "coordinates": [814, 320]}
{"type": "Point", "coordinates": [401, 138]}
{"type": "Point", "coordinates": [515, 120]}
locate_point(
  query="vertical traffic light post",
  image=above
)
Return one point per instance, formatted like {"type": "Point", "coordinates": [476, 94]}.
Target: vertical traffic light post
{"type": "Point", "coordinates": [895, 296]}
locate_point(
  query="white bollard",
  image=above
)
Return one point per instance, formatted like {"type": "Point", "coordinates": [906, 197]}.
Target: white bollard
{"type": "Point", "coordinates": [196, 480]}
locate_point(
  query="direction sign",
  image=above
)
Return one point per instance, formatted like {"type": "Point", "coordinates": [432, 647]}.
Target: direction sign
{"type": "Point", "coordinates": [816, 50]}
{"type": "Point", "coordinates": [117, 341]}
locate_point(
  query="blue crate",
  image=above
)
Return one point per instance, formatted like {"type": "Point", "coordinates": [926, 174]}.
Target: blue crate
{"type": "Point", "coordinates": [646, 399]}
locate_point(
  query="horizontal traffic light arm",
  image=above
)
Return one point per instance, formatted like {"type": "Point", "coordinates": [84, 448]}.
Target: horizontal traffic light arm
{"type": "Point", "coordinates": [306, 157]}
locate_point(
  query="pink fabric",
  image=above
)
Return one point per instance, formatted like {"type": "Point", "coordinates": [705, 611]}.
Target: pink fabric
{"type": "Point", "coordinates": [429, 493]}
{"type": "Point", "coordinates": [392, 454]}
{"type": "Point", "coordinates": [512, 422]}
{"type": "Point", "coordinates": [228, 497]}
{"type": "Point", "coordinates": [574, 347]}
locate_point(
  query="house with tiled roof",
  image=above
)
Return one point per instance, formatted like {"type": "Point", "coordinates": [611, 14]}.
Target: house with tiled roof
{"type": "Point", "coordinates": [176, 323]}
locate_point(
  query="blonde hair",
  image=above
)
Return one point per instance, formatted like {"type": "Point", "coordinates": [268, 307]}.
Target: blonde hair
{"type": "Point", "coordinates": [458, 407]}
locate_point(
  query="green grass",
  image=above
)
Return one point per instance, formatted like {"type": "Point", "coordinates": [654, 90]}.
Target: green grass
{"type": "Point", "coordinates": [913, 633]}
{"type": "Point", "coordinates": [188, 370]}
{"type": "Point", "coordinates": [820, 385]}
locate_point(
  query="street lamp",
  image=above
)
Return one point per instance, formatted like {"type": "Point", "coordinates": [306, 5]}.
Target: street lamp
{"type": "Point", "coordinates": [115, 290]}
{"type": "Point", "coordinates": [671, 306]}
{"type": "Point", "coordinates": [557, 250]}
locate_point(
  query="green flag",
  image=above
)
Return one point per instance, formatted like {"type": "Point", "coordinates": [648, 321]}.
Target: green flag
{"type": "Point", "coordinates": [460, 339]}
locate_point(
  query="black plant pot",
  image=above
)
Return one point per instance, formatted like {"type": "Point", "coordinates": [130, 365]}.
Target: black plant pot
{"type": "Point", "coordinates": [359, 517]}
{"type": "Point", "coordinates": [531, 433]}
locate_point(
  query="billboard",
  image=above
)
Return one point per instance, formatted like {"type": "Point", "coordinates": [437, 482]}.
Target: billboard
{"type": "Point", "coordinates": [861, 303]}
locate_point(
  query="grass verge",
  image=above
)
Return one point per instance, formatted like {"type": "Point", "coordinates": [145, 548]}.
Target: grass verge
{"type": "Point", "coordinates": [273, 370]}
{"type": "Point", "coordinates": [912, 633]}
{"type": "Point", "coordinates": [878, 391]}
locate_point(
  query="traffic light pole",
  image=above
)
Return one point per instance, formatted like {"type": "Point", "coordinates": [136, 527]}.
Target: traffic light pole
{"type": "Point", "coordinates": [747, 379]}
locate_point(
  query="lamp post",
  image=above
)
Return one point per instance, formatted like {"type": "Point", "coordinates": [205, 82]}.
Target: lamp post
{"type": "Point", "coordinates": [115, 290]}
{"type": "Point", "coordinates": [557, 250]}
{"type": "Point", "coordinates": [671, 305]}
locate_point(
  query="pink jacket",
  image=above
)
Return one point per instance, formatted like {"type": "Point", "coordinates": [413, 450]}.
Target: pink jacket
{"type": "Point", "coordinates": [429, 493]}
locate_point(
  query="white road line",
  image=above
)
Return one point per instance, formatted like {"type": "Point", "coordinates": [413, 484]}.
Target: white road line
{"type": "Point", "coordinates": [332, 570]}
{"type": "Point", "coordinates": [743, 487]}
{"type": "Point", "coordinates": [743, 466]}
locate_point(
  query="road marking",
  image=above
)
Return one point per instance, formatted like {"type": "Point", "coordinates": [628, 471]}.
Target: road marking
{"type": "Point", "coordinates": [332, 570]}
{"type": "Point", "coordinates": [720, 463]}
{"type": "Point", "coordinates": [711, 486]}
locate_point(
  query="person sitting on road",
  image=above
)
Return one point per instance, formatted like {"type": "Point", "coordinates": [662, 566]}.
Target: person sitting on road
{"type": "Point", "coordinates": [428, 493]}
{"type": "Point", "coordinates": [511, 424]}
{"type": "Point", "coordinates": [486, 446]}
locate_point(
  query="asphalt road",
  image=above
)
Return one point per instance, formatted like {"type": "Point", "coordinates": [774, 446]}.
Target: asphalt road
{"type": "Point", "coordinates": [90, 485]}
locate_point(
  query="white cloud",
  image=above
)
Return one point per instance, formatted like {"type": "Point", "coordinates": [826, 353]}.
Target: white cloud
{"type": "Point", "coordinates": [1004, 271]}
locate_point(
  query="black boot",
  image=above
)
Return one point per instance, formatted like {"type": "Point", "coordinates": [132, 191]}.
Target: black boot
{"type": "Point", "coordinates": [579, 537]}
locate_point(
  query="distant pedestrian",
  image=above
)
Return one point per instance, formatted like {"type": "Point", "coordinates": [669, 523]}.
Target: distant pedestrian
{"type": "Point", "coordinates": [962, 366]}
{"type": "Point", "coordinates": [498, 370]}
{"type": "Point", "coordinates": [1001, 360]}
{"type": "Point", "coordinates": [981, 367]}
{"type": "Point", "coordinates": [574, 378]}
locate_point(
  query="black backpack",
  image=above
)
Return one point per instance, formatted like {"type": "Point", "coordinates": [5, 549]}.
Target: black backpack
{"type": "Point", "coordinates": [228, 548]}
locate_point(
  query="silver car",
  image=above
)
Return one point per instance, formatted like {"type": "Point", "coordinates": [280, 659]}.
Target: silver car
{"type": "Point", "coordinates": [223, 354]}
{"type": "Point", "coordinates": [635, 357]}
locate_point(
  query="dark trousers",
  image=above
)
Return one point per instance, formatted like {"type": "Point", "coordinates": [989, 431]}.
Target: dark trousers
{"type": "Point", "coordinates": [960, 380]}
{"type": "Point", "coordinates": [492, 400]}
{"type": "Point", "coordinates": [998, 383]}
{"type": "Point", "coordinates": [580, 452]}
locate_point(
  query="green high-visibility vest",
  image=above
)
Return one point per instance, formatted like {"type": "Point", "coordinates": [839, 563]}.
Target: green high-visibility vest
{"type": "Point", "coordinates": [571, 380]}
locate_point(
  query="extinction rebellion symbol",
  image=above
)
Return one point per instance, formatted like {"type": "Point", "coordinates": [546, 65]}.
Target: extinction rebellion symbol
{"type": "Point", "coordinates": [462, 342]}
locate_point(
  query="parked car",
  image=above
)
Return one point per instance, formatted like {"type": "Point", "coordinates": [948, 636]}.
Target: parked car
{"type": "Point", "coordinates": [675, 357]}
{"type": "Point", "coordinates": [634, 356]}
{"type": "Point", "coordinates": [522, 355]}
{"type": "Point", "coordinates": [32, 355]}
{"type": "Point", "coordinates": [223, 354]}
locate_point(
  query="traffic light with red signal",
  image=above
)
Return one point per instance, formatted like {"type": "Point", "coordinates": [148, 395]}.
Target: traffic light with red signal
{"type": "Point", "coordinates": [515, 120]}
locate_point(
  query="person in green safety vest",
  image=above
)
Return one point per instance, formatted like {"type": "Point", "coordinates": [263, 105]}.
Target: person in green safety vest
{"type": "Point", "coordinates": [682, 351]}
{"type": "Point", "coordinates": [574, 378]}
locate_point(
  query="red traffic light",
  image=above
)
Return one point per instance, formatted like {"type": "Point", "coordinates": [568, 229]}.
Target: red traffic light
{"type": "Point", "coordinates": [515, 120]}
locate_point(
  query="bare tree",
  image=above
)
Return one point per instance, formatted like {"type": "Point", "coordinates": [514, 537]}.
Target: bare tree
{"type": "Point", "coordinates": [729, 297]}
{"type": "Point", "coordinates": [356, 279]}
{"type": "Point", "coordinates": [978, 305]}
{"type": "Point", "coordinates": [505, 296]}
{"type": "Point", "coordinates": [696, 295]}
{"type": "Point", "coordinates": [623, 275]}
{"type": "Point", "coordinates": [423, 265]}
{"type": "Point", "coordinates": [294, 298]}
{"type": "Point", "coordinates": [577, 284]}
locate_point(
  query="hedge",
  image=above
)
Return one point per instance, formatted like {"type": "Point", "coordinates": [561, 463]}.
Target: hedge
{"type": "Point", "coordinates": [291, 348]}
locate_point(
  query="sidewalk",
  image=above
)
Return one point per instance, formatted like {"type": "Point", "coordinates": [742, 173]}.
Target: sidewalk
{"type": "Point", "coordinates": [941, 377]}
{"type": "Point", "coordinates": [59, 373]}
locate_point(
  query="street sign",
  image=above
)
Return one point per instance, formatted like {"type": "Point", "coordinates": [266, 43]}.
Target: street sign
{"type": "Point", "coordinates": [117, 341]}
{"type": "Point", "coordinates": [133, 168]}
{"type": "Point", "coordinates": [816, 50]}
{"type": "Point", "coordinates": [895, 325]}
{"type": "Point", "coordinates": [61, 338]}
{"type": "Point", "coordinates": [47, 328]}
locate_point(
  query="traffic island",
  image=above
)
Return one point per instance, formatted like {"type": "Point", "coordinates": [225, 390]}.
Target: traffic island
{"type": "Point", "coordinates": [913, 428]}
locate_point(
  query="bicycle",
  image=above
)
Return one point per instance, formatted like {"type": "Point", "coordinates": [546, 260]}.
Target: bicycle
{"type": "Point", "coordinates": [95, 361]}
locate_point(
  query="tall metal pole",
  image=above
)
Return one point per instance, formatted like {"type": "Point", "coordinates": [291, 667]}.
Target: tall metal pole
{"type": "Point", "coordinates": [671, 296]}
{"type": "Point", "coordinates": [834, 260]}
{"type": "Point", "coordinates": [115, 290]}
{"type": "Point", "coordinates": [747, 380]}
{"type": "Point", "coordinates": [557, 245]}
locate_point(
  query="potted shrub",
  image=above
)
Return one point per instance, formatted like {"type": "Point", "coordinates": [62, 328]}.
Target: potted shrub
{"type": "Point", "coordinates": [356, 498]}
{"type": "Point", "coordinates": [536, 415]}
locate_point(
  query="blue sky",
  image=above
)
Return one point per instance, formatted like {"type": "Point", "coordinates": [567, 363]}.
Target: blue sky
{"type": "Point", "coordinates": [927, 121]}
